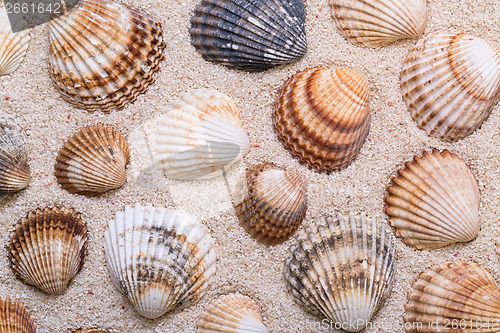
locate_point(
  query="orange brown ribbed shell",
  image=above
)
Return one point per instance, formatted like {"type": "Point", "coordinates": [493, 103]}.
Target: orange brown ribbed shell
{"type": "Point", "coordinates": [15, 318]}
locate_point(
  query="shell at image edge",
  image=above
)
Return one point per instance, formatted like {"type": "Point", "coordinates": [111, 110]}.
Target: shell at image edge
{"type": "Point", "coordinates": [13, 46]}
{"type": "Point", "coordinates": [15, 318]}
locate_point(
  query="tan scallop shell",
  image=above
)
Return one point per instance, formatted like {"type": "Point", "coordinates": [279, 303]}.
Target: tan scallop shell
{"type": "Point", "coordinates": [434, 201]}
{"type": "Point", "coordinates": [48, 248]}
{"type": "Point", "coordinates": [93, 161]}
{"type": "Point", "coordinates": [321, 115]}
{"type": "Point", "coordinates": [15, 318]}
{"type": "Point", "coordinates": [13, 46]}
{"type": "Point", "coordinates": [497, 245]}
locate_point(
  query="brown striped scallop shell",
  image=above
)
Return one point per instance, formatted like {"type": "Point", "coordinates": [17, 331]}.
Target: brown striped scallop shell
{"type": "Point", "coordinates": [15, 318]}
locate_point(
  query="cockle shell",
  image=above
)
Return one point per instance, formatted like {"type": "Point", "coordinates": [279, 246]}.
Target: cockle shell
{"type": "Point", "coordinates": [271, 202]}
{"type": "Point", "coordinates": [450, 83]}
{"type": "Point", "coordinates": [233, 313]}
{"type": "Point", "coordinates": [13, 46]}
{"type": "Point", "coordinates": [159, 258]}
{"type": "Point", "coordinates": [200, 136]}
{"type": "Point", "coordinates": [434, 201]}
{"type": "Point", "coordinates": [103, 54]}
{"type": "Point", "coordinates": [93, 161]}
{"type": "Point", "coordinates": [321, 115]}
{"type": "Point", "coordinates": [376, 23]}
{"type": "Point", "coordinates": [249, 35]}
{"type": "Point", "coordinates": [15, 318]}
{"type": "Point", "coordinates": [341, 269]}
{"type": "Point", "coordinates": [48, 248]}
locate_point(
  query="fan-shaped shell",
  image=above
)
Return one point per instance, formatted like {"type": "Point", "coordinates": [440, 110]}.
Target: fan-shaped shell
{"type": "Point", "coordinates": [15, 318]}
{"type": "Point", "coordinates": [450, 83]}
{"type": "Point", "coordinates": [93, 161]}
{"type": "Point", "coordinates": [200, 136]}
{"type": "Point", "coordinates": [321, 115]}
{"type": "Point", "coordinates": [159, 258]}
{"type": "Point", "coordinates": [13, 46]}
{"type": "Point", "coordinates": [48, 248]}
{"type": "Point", "coordinates": [342, 269]}
{"type": "Point", "coordinates": [249, 35]}
{"type": "Point", "coordinates": [271, 202]}
{"type": "Point", "coordinates": [233, 313]}
{"type": "Point", "coordinates": [434, 201]}
{"type": "Point", "coordinates": [376, 23]}
{"type": "Point", "coordinates": [104, 54]}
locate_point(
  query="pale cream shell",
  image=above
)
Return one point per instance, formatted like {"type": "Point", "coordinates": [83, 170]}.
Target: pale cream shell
{"type": "Point", "coordinates": [13, 46]}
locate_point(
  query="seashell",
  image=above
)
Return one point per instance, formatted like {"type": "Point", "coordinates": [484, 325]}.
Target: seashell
{"type": "Point", "coordinates": [271, 202]}
{"type": "Point", "coordinates": [15, 318]}
{"type": "Point", "coordinates": [342, 269]}
{"type": "Point", "coordinates": [249, 35]}
{"type": "Point", "coordinates": [200, 136]}
{"type": "Point", "coordinates": [464, 294]}
{"type": "Point", "coordinates": [161, 259]}
{"type": "Point", "coordinates": [450, 83]}
{"type": "Point", "coordinates": [93, 161]}
{"type": "Point", "coordinates": [13, 46]}
{"type": "Point", "coordinates": [434, 201]}
{"type": "Point", "coordinates": [90, 331]}
{"type": "Point", "coordinates": [112, 59]}
{"type": "Point", "coordinates": [497, 245]}
{"type": "Point", "coordinates": [376, 23]}
{"type": "Point", "coordinates": [48, 248]}
{"type": "Point", "coordinates": [233, 313]}
{"type": "Point", "coordinates": [321, 115]}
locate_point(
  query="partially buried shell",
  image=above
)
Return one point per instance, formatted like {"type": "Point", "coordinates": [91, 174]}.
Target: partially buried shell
{"type": "Point", "coordinates": [159, 258]}
{"type": "Point", "coordinates": [200, 136]}
{"type": "Point", "coordinates": [15, 318]}
{"type": "Point", "coordinates": [48, 248]}
{"type": "Point", "coordinates": [249, 35]}
{"type": "Point", "coordinates": [434, 201]}
{"type": "Point", "coordinates": [271, 202]}
{"type": "Point", "coordinates": [234, 313]}
{"type": "Point", "coordinates": [342, 269]}
{"type": "Point", "coordinates": [93, 161]}
{"type": "Point", "coordinates": [13, 46]}
{"type": "Point", "coordinates": [104, 54]}
{"type": "Point", "coordinates": [450, 83]}
{"type": "Point", "coordinates": [321, 115]}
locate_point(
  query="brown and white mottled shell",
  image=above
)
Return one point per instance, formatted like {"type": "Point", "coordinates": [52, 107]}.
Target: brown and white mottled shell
{"type": "Point", "coordinates": [48, 248]}
{"type": "Point", "coordinates": [13, 45]}
{"type": "Point", "coordinates": [341, 269]}
{"type": "Point", "coordinates": [450, 82]}
{"type": "Point", "coordinates": [161, 259]}
{"type": "Point", "coordinates": [111, 59]}
{"type": "Point", "coordinates": [376, 23]}
{"type": "Point", "coordinates": [271, 202]}
{"type": "Point", "coordinates": [461, 293]}
{"type": "Point", "coordinates": [321, 115]}
{"type": "Point", "coordinates": [93, 161]}
{"type": "Point", "coordinates": [434, 201]}
{"type": "Point", "coordinates": [15, 318]}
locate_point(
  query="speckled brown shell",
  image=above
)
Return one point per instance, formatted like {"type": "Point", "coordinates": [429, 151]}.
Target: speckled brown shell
{"type": "Point", "coordinates": [321, 115]}
{"type": "Point", "coordinates": [15, 318]}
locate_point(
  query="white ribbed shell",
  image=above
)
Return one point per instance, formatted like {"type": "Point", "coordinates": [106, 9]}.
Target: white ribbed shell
{"type": "Point", "coordinates": [13, 46]}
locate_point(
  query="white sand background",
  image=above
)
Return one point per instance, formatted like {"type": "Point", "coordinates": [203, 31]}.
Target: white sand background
{"type": "Point", "coordinates": [244, 265]}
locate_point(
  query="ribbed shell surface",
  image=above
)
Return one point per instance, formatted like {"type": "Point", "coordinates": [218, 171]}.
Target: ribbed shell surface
{"type": "Point", "coordinates": [13, 46]}
{"type": "Point", "coordinates": [15, 318]}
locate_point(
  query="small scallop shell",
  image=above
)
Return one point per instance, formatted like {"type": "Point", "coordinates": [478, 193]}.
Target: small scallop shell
{"type": "Point", "coordinates": [232, 313]}
{"type": "Point", "coordinates": [376, 23]}
{"type": "Point", "coordinates": [200, 136]}
{"type": "Point", "coordinates": [159, 258]}
{"type": "Point", "coordinates": [48, 248]}
{"type": "Point", "coordinates": [342, 269]}
{"type": "Point", "coordinates": [271, 202]}
{"type": "Point", "coordinates": [249, 35]}
{"type": "Point", "coordinates": [450, 83]}
{"type": "Point", "coordinates": [93, 161]}
{"type": "Point", "coordinates": [15, 318]}
{"type": "Point", "coordinates": [13, 46]}
{"type": "Point", "coordinates": [497, 245]}
{"type": "Point", "coordinates": [461, 294]}
{"type": "Point", "coordinates": [434, 201]}
{"type": "Point", "coordinates": [321, 115]}
{"type": "Point", "coordinates": [104, 54]}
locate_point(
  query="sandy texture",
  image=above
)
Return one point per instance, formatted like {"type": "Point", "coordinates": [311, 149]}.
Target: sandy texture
{"type": "Point", "coordinates": [243, 265]}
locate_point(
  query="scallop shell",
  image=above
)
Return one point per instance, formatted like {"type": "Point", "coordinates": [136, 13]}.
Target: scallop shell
{"type": "Point", "coordinates": [249, 35]}
{"type": "Point", "coordinates": [434, 201]}
{"type": "Point", "coordinates": [13, 46]}
{"type": "Point", "coordinates": [233, 313]}
{"type": "Point", "coordinates": [450, 83]}
{"type": "Point", "coordinates": [321, 115]}
{"type": "Point", "coordinates": [200, 136]}
{"type": "Point", "coordinates": [376, 23]}
{"type": "Point", "coordinates": [93, 161]}
{"type": "Point", "coordinates": [271, 202]}
{"type": "Point", "coordinates": [497, 245]}
{"type": "Point", "coordinates": [342, 269]}
{"type": "Point", "coordinates": [104, 54]}
{"type": "Point", "coordinates": [15, 318]}
{"type": "Point", "coordinates": [461, 294]}
{"type": "Point", "coordinates": [48, 248]}
{"type": "Point", "coordinates": [159, 258]}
